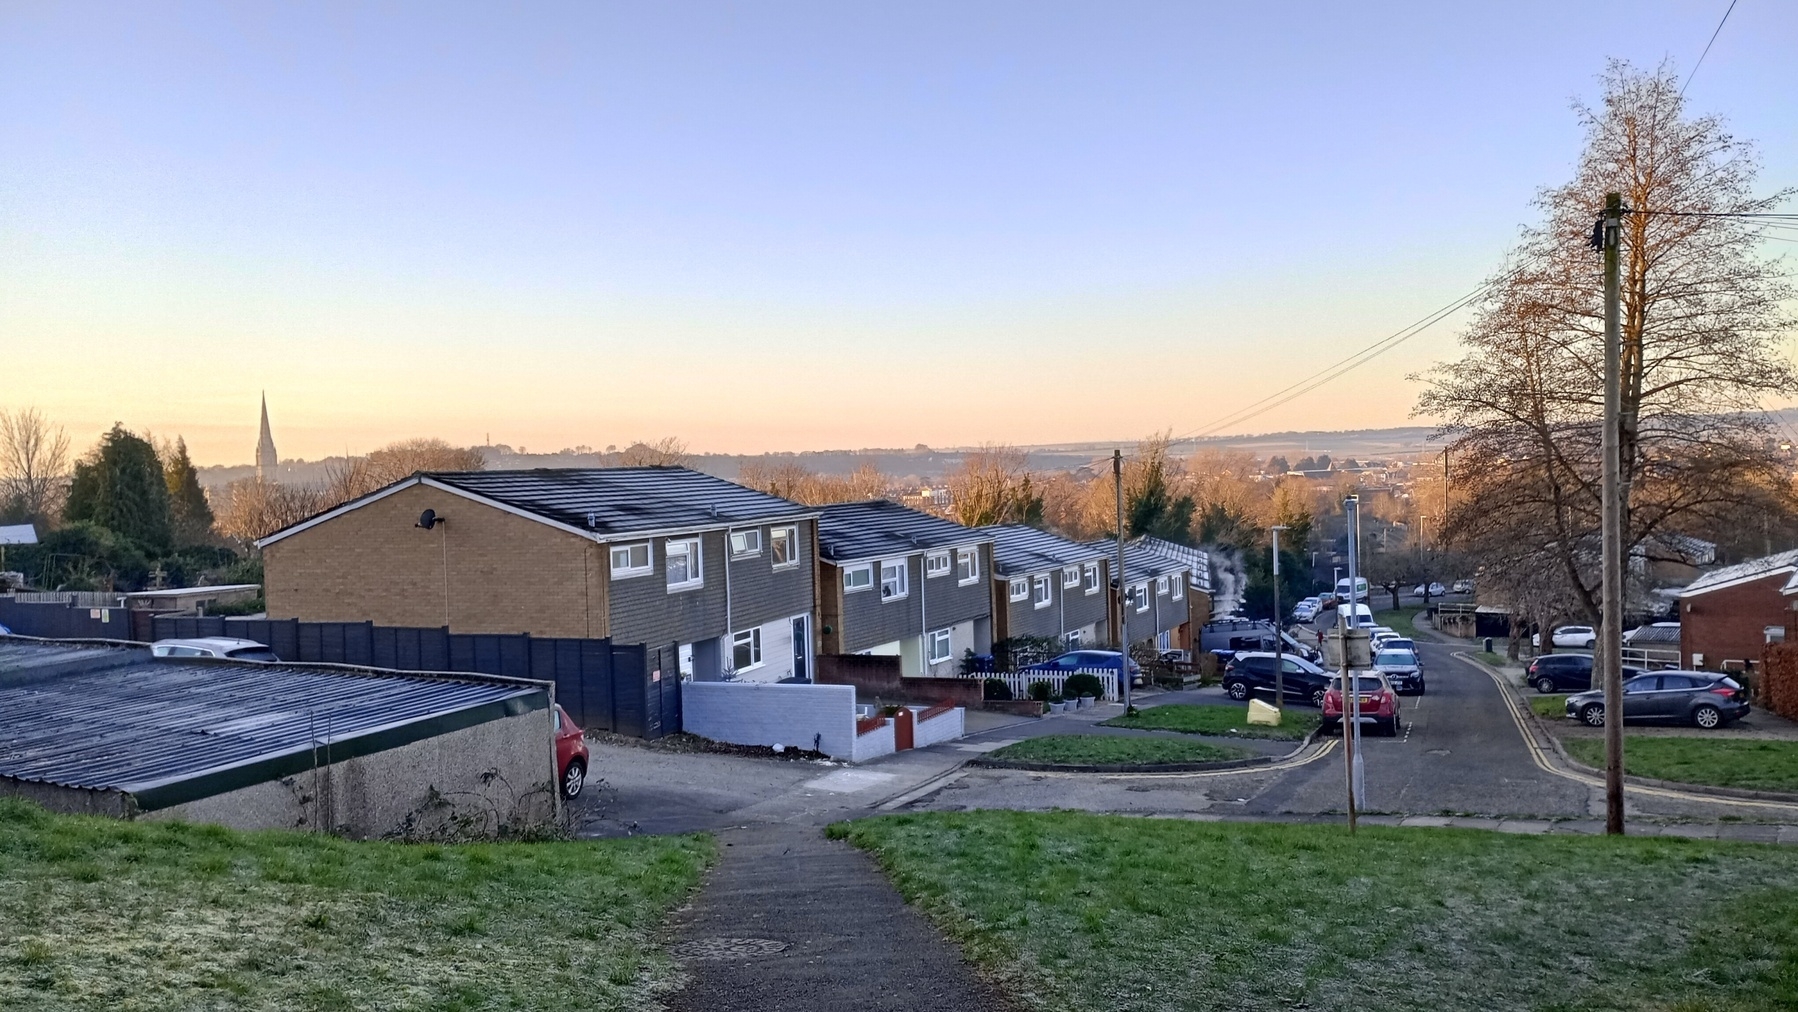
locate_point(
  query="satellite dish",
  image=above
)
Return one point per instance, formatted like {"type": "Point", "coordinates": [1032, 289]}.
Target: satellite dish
{"type": "Point", "coordinates": [428, 519]}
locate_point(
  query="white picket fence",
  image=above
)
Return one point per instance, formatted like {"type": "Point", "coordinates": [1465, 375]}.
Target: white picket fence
{"type": "Point", "coordinates": [1019, 681]}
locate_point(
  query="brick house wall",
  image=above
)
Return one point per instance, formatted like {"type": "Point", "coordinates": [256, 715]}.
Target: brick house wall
{"type": "Point", "coordinates": [505, 573]}
{"type": "Point", "coordinates": [1729, 624]}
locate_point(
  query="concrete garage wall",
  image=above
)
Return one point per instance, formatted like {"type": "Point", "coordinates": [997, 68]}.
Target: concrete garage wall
{"type": "Point", "coordinates": [69, 800]}
{"type": "Point", "coordinates": [753, 713]}
{"type": "Point", "coordinates": [488, 780]}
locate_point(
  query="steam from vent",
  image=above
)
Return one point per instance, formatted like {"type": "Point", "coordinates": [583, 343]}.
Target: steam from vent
{"type": "Point", "coordinates": [1229, 578]}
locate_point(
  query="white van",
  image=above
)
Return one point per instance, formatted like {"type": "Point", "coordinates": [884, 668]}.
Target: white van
{"type": "Point", "coordinates": [1363, 618]}
{"type": "Point", "coordinates": [1342, 589]}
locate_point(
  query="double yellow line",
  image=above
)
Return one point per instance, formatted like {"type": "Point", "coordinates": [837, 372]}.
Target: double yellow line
{"type": "Point", "coordinates": [1540, 756]}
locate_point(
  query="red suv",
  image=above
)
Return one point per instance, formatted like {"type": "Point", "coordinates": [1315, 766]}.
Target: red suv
{"type": "Point", "coordinates": [1379, 704]}
{"type": "Point", "coordinates": [571, 754]}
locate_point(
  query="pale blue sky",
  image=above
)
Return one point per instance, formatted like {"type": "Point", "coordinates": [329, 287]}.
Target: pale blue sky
{"type": "Point", "coordinates": [782, 226]}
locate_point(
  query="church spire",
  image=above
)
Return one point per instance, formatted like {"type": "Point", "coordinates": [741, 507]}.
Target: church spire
{"type": "Point", "coordinates": [267, 462]}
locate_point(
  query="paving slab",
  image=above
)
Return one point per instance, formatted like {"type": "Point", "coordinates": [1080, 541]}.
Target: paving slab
{"type": "Point", "coordinates": [1427, 821]}
{"type": "Point", "coordinates": [1527, 826]}
{"type": "Point", "coordinates": [1788, 834]}
{"type": "Point", "coordinates": [1748, 832]}
{"type": "Point", "coordinates": [1690, 831]}
{"type": "Point", "coordinates": [1473, 822]}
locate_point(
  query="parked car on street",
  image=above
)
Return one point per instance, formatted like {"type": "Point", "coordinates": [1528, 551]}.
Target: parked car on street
{"type": "Point", "coordinates": [1253, 674]}
{"type": "Point", "coordinates": [571, 754]}
{"type": "Point", "coordinates": [1576, 636]}
{"type": "Point", "coordinates": [1401, 669]}
{"type": "Point", "coordinates": [1461, 587]}
{"type": "Point", "coordinates": [1379, 634]}
{"type": "Point", "coordinates": [1560, 673]}
{"type": "Point", "coordinates": [1379, 703]}
{"type": "Point", "coordinates": [1403, 643]}
{"type": "Point", "coordinates": [213, 646]}
{"type": "Point", "coordinates": [1085, 660]}
{"type": "Point", "coordinates": [1434, 590]}
{"type": "Point", "coordinates": [1702, 698]}
{"type": "Point", "coordinates": [1305, 610]}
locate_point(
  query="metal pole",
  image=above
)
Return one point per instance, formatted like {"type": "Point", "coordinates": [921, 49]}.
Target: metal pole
{"type": "Point", "coordinates": [1351, 697]}
{"type": "Point", "coordinates": [1279, 633]}
{"type": "Point", "coordinates": [1610, 630]}
{"type": "Point", "coordinates": [1123, 636]}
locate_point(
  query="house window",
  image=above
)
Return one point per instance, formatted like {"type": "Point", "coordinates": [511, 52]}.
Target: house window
{"type": "Point", "coordinates": [1161, 586]}
{"type": "Point", "coordinates": [1179, 587]}
{"type": "Point", "coordinates": [685, 566]}
{"type": "Point", "coordinates": [1044, 593]}
{"type": "Point", "coordinates": [1142, 597]}
{"type": "Point", "coordinates": [939, 646]}
{"type": "Point", "coordinates": [1020, 590]}
{"type": "Point", "coordinates": [783, 545]}
{"type": "Point", "coordinates": [936, 564]}
{"type": "Point", "coordinates": [745, 543]}
{"type": "Point", "coordinates": [858, 578]}
{"type": "Point", "coordinates": [1070, 578]}
{"type": "Point", "coordinates": [967, 565]}
{"type": "Point", "coordinates": [746, 649]}
{"type": "Point", "coordinates": [1091, 571]}
{"type": "Point", "coordinates": [1072, 640]}
{"type": "Point", "coordinates": [893, 579]}
{"type": "Point", "coordinates": [630, 560]}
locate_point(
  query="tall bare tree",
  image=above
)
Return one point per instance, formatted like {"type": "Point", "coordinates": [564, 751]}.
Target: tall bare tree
{"type": "Point", "coordinates": [1702, 325]}
{"type": "Point", "coordinates": [665, 452]}
{"type": "Point", "coordinates": [358, 476]}
{"type": "Point", "coordinates": [249, 509]}
{"type": "Point", "coordinates": [791, 480]}
{"type": "Point", "coordinates": [34, 464]}
{"type": "Point", "coordinates": [992, 485]}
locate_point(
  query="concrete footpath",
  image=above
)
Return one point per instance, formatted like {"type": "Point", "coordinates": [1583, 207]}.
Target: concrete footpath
{"type": "Point", "coordinates": [789, 921]}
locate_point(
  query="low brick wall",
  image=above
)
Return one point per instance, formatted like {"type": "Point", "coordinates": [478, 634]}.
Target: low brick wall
{"type": "Point", "coordinates": [761, 713]}
{"type": "Point", "coordinates": [873, 744]}
{"type": "Point", "coordinates": [1777, 680]}
{"type": "Point", "coordinates": [942, 727]}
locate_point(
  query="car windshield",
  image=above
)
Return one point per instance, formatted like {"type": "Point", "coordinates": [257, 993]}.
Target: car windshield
{"type": "Point", "coordinates": [1363, 683]}
{"type": "Point", "coordinates": [1396, 658]}
{"type": "Point", "coordinates": [1401, 644]}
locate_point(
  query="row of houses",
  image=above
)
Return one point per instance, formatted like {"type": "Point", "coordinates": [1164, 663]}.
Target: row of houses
{"type": "Point", "coordinates": [734, 584]}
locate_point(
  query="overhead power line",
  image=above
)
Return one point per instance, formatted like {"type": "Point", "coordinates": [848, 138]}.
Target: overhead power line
{"type": "Point", "coordinates": [1707, 49]}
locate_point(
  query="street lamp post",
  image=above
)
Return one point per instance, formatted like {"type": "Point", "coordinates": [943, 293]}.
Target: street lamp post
{"type": "Point", "coordinates": [1279, 631]}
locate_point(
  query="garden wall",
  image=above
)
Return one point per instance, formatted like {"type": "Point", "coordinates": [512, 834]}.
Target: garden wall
{"type": "Point", "coordinates": [1778, 680]}
{"type": "Point", "coordinates": [762, 713]}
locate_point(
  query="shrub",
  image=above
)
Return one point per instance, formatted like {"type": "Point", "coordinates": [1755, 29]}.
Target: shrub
{"type": "Point", "coordinates": [996, 689]}
{"type": "Point", "coordinates": [1083, 684]}
{"type": "Point", "coordinates": [1039, 691]}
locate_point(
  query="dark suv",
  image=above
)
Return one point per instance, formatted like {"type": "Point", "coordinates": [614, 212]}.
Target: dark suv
{"type": "Point", "coordinates": [1561, 673]}
{"type": "Point", "coordinates": [1254, 673]}
{"type": "Point", "coordinates": [1704, 698]}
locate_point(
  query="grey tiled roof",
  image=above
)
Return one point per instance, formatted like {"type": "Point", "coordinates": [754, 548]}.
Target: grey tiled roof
{"type": "Point", "coordinates": [623, 500]}
{"type": "Point", "coordinates": [1752, 569]}
{"type": "Point", "coordinates": [146, 723]}
{"type": "Point", "coordinates": [1140, 565]}
{"type": "Point", "coordinates": [1197, 560]}
{"type": "Point", "coordinates": [850, 531]}
{"type": "Point", "coordinates": [1018, 550]}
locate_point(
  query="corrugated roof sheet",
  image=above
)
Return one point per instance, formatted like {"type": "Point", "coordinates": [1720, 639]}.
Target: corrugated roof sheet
{"type": "Point", "coordinates": [1752, 569]}
{"type": "Point", "coordinates": [849, 531]}
{"type": "Point", "coordinates": [623, 500]}
{"type": "Point", "coordinates": [156, 722]}
{"type": "Point", "coordinates": [1018, 550]}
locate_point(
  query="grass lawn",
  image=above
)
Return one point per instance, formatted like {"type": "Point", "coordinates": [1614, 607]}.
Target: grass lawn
{"type": "Point", "coordinates": [1552, 706]}
{"type": "Point", "coordinates": [1095, 749]}
{"type": "Point", "coordinates": [1399, 621]}
{"type": "Point", "coordinates": [100, 914]}
{"type": "Point", "coordinates": [1725, 762]}
{"type": "Point", "coordinates": [1078, 912]}
{"type": "Point", "coordinates": [1219, 719]}
{"type": "Point", "coordinates": [1497, 660]}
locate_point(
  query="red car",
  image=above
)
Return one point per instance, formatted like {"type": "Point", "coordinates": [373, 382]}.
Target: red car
{"type": "Point", "coordinates": [1379, 704]}
{"type": "Point", "coordinates": [571, 754]}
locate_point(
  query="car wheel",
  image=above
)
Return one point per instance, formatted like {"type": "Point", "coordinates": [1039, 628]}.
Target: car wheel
{"type": "Point", "coordinates": [574, 778]}
{"type": "Point", "coordinates": [1392, 728]}
{"type": "Point", "coordinates": [1591, 644]}
{"type": "Point", "coordinates": [1238, 691]}
{"type": "Point", "coordinates": [1317, 698]}
{"type": "Point", "coordinates": [1545, 685]}
{"type": "Point", "coordinates": [1420, 688]}
{"type": "Point", "coordinates": [1707, 717]}
{"type": "Point", "coordinates": [1593, 715]}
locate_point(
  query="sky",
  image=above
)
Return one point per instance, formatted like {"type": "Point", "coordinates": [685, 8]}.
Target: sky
{"type": "Point", "coordinates": [783, 226]}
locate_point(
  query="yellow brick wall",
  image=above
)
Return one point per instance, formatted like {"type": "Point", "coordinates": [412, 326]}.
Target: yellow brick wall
{"type": "Point", "coordinates": [507, 574]}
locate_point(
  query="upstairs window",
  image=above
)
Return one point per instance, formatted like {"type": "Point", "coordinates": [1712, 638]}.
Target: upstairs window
{"type": "Point", "coordinates": [936, 564]}
{"type": "Point", "coordinates": [1091, 573]}
{"type": "Point", "coordinates": [631, 560]}
{"type": "Point", "coordinates": [1045, 593]}
{"type": "Point", "coordinates": [1161, 586]}
{"type": "Point", "coordinates": [744, 544]}
{"type": "Point", "coordinates": [1178, 589]}
{"type": "Point", "coordinates": [893, 582]}
{"type": "Point", "coordinates": [858, 578]}
{"type": "Point", "coordinates": [1142, 596]}
{"type": "Point", "coordinates": [783, 546]}
{"type": "Point", "coordinates": [967, 565]}
{"type": "Point", "coordinates": [1070, 578]}
{"type": "Point", "coordinates": [1019, 590]}
{"type": "Point", "coordinates": [685, 565]}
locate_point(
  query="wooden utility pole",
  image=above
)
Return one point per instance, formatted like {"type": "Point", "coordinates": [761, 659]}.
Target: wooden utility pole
{"type": "Point", "coordinates": [1279, 630]}
{"type": "Point", "coordinates": [1123, 635]}
{"type": "Point", "coordinates": [1610, 631]}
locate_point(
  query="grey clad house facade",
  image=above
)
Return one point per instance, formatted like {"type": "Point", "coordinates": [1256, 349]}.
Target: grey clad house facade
{"type": "Point", "coordinates": [1156, 609]}
{"type": "Point", "coordinates": [892, 580]}
{"type": "Point", "coordinates": [1048, 586]}
{"type": "Point", "coordinates": [718, 578]}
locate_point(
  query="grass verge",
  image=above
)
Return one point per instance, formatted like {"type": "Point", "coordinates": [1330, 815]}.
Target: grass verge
{"type": "Point", "coordinates": [1553, 706]}
{"type": "Point", "coordinates": [96, 913]}
{"type": "Point", "coordinates": [1722, 762]}
{"type": "Point", "coordinates": [1399, 621]}
{"type": "Point", "coordinates": [1496, 660]}
{"type": "Point", "coordinates": [1086, 912]}
{"type": "Point", "coordinates": [1217, 719]}
{"type": "Point", "coordinates": [1103, 749]}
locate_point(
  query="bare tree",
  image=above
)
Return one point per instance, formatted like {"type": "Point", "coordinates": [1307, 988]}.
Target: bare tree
{"type": "Point", "coordinates": [249, 509]}
{"type": "Point", "coordinates": [358, 476]}
{"type": "Point", "coordinates": [794, 481]}
{"type": "Point", "coordinates": [993, 486]}
{"type": "Point", "coordinates": [1702, 325]}
{"type": "Point", "coordinates": [34, 464]}
{"type": "Point", "coordinates": [665, 452]}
